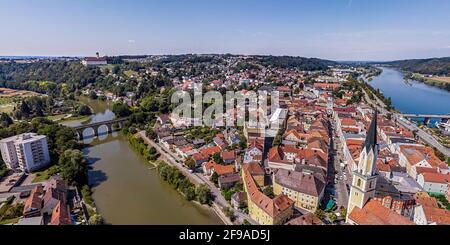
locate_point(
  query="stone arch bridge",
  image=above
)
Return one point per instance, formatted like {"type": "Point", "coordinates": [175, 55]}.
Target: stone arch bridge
{"type": "Point", "coordinates": [96, 126]}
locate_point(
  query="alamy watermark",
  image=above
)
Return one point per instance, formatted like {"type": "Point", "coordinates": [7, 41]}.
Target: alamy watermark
{"type": "Point", "coordinates": [213, 109]}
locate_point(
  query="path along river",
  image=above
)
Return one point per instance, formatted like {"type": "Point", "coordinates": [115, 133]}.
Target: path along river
{"type": "Point", "coordinates": [126, 191]}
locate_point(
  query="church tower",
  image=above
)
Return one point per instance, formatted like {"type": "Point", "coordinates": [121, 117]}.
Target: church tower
{"type": "Point", "coordinates": [365, 175]}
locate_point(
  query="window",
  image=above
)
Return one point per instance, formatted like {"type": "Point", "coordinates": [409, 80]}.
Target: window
{"type": "Point", "coordinates": [359, 183]}
{"type": "Point", "coordinates": [370, 185]}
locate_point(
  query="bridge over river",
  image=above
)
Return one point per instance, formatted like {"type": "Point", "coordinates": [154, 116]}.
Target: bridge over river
{"type": "Point", "coordinates": [95, 127]}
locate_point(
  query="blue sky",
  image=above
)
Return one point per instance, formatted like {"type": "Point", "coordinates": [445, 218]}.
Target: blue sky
{"type": "Point", "coordinates": [331, 29]}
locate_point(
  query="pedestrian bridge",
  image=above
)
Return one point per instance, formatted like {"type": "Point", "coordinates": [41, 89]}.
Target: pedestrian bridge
{"type": "Point", "coordinates": [95, 127]}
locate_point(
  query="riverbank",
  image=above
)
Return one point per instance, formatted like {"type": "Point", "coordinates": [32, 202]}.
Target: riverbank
{"type": "Point", "coordinates": [184, 182]}
{"type": "Point", "coordinates": [440, 82]}
{"type": "Point", "coordinates": [127, 189]}
{"type": "Point", "coordinates": [413, 98]}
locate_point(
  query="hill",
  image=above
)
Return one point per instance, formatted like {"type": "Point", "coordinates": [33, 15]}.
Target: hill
{"type": "Point", "coordinates": [433, 66]}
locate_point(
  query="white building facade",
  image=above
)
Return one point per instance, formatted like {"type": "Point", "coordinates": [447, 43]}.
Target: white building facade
{"type": "Point", "coordinates": [25, 152]}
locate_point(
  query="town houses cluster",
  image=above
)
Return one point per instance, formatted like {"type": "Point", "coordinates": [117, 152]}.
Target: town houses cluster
{"type": "Point", "coordinates": [290, 173]}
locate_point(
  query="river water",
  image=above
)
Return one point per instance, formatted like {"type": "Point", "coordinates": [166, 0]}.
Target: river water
{"type": "Point", "coordinates": [126, 191]}
{"type": "Point", "coordinates": [411, 97]}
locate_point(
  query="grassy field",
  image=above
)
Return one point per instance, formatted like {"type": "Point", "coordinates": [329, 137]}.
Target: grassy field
{"type": "Point", "coordinates": [6, 108]}
{"type": "Point", "coordinates": [41, 176]}
{"type": "Point", "coordinates": [63, 118]}
{"type": "Point", "coordinates": [9, 221]}
{"type": "Point", "coordinates": [440, 79]}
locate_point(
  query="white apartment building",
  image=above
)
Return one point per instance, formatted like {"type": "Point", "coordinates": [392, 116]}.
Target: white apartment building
{"type": "Point", "coordinates": [26, 152]}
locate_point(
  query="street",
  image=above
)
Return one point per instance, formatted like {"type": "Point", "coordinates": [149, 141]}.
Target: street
{"type": "Point", "coordinates": [340, 177]}
{"type": "Point", "coordinates": [198, 179]}
{"type": "Point", "coordinates": [426, 137]}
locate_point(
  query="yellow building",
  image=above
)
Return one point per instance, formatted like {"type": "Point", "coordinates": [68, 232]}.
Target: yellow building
{"type": "Point", "coordinates": [263, 209]}
{"type": "Point", "coordinates": [305, 189]}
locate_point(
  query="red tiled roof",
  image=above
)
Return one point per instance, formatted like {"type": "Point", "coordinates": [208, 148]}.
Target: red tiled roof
{"type": "Point", "coordinates": [210, 151]}
{"type": "Point", "coordinates": [34, 201]}
{"type": "Point", "coordinates": [219, 168]}
{"type": "Point", "coordinates": [61, 215]}
{"type": "Point", "coordinates": [92, 59]}
{"type": "Point", "coordinates": [273, 207]}
{"type": "Point", "coordinates": [374, 213]}
{"type": "Point", "coordinates": [228, 155]}
{"type": "Point", "coordinates": [436, 178]}
{"type": "Point", "coordinates": [254, 168]}
{"type": "Point", "coordinates": [327, 85]}
{"type": "Point", "coordinates": [440, 216]}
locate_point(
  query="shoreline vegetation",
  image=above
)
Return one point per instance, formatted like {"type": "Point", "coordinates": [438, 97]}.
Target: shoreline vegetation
{"type": "Point", "coordinates": [439, 82]}
{"type": "Point", "coordinates": [199, 195]}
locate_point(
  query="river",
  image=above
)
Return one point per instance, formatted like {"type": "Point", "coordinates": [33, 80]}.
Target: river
{"type": "Point", "coordinates": [411, 97]}
{"type": "Point", "coordinates": [126, 191]}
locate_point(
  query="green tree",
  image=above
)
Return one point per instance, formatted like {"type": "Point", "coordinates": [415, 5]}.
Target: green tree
{"type": "Point", "coordinates": [93, 95]}
{"type": "Point", "coordinates": [268, 191]}
{"type": "Point", "coordinates": [190, 163]}
{"type": "Point", "coordinates": [73, 167]}
{"type": "Point", "coordinates": [121, 109]}
{"type": "Point", "coordinates": [96, 219]}
{"type": "Point", "coordinates": [215, 178]}
{"type": "Point", "coordinates": [203, 194]}
{"type": "Point", "coordinates": [217, 158]}
{"type": "Point", "coordinates": [5, 120]}
{"type": "Point", "coordinates": [150, 133]}
{"type": "Point", "coordinates": [84, 110]}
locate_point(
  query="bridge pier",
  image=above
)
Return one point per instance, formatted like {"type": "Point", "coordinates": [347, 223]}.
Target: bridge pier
{"type": "Point", "coordinates": [110, 128]}
{"type": "Point", "coordinates": [80, 135]}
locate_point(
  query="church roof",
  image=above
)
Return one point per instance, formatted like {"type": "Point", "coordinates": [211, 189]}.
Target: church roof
{"type": "Point", "coordinates": [371, 139]}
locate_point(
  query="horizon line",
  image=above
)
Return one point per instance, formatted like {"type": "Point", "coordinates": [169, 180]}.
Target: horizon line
{"type": "Point", "coordinates": [234, 54]}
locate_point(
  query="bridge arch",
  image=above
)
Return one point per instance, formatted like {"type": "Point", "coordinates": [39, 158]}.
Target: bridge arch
{"type": "Point", "coordinates": [96, 127]}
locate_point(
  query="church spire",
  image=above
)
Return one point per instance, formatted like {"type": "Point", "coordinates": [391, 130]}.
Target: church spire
{"type": "Point", "coordinates": [371, 139]}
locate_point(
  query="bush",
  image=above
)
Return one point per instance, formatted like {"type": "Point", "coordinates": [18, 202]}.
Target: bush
{"type": "Point", "coordinates": [229, 213]}
{"type": "Point", "coordinates": [96, 219]}
{"type": "Point", "coordinates": [203, 194]}
{"type": "Point", "coordinates": [87, 195]}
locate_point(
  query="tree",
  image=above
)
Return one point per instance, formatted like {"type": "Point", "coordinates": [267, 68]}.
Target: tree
{"type": "Point", "coordinates": [217, 158]}
{"type": "Point", "coordinates": [215, 178]}
{"type": "Point", "coordinates": [5, 120]}
{"type": "Point", "coordinates": [268, 191]}
{"type": "Point", "coordinates": [203, 194]}
{"type": "Point", "coordinates": [320, 214]}
{"type": "Point", "coordinates": [121, 109]}
{"type": "Point", "coordinates": [190, 163]}
{"type": "Point", "coordinates": [96, 219]}
{"type": "Point", "coordinates": [229, 213]}
{"type": "Point", "coordinates": [333, 217]}
{"type": "Point", "coordinates": [84, 110]}
{"type": "Point", "coordinates": [93, 95]}
{"type": "Point", "coordinates": [151, 134]}
{"type": "Point", "coordinates": [73, 167]}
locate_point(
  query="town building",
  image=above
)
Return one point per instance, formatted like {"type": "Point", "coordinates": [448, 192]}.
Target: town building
{"type": "Point", "coordinates": [94, 61]}
{"type": "Point", "coordinates": [26, 152]}
{"type": "Point", "coordinates": [306, 188]}
{"type": "Point", "coordinates": [365, 176]}
{"type": "Point", "coordinates": [434, 182]}
{"type": "Point", "coordinates": [263, 209]}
